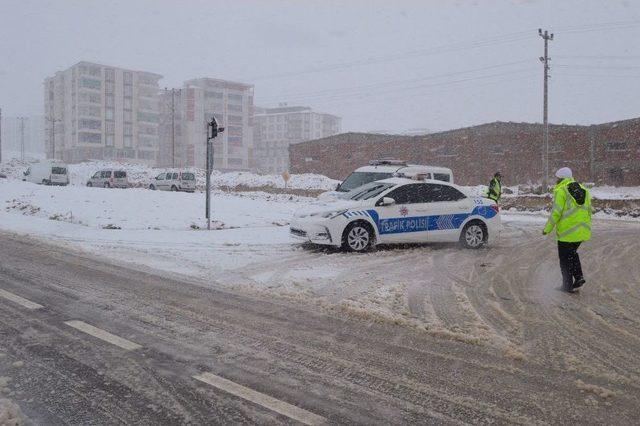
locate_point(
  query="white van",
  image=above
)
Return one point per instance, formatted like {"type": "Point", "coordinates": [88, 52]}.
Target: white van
{"type": "Point", "coordinates": [385, 169]}
{"type": "Point", "coordinates": [48, 172]}
{"type": "Point", "coordinates": [109, 179]}
{"type": "Point", "coordinates": [174, 181]}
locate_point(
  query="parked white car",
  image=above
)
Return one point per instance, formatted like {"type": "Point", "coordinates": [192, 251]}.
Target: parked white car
{"type": "Point", "coordinates": [400, 210]}
{"type": "Point", "coordinates": [109, 179]}
{"type": "Point", "coordinates": [174, 181]}
{"type": "Point", "coordinates": [48, 172]}
{"type": "Point", "coordinates": [383, 169]}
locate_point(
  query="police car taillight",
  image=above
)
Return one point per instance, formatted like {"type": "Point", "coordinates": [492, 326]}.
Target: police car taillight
{"type": "Point", "coordinates": [496, 208]}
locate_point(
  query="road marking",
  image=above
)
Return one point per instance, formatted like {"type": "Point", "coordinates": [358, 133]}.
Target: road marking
{"type": "Point", "coordinates": [281, 407]}
{"type": "Point", "coordinates": [103, 335]}
{"type": "Point", "coordinates": [19, 300]}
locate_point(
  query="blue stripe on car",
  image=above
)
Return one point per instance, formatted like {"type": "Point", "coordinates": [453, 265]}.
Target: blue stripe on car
{"type": "Point", "coordinates": [398, 225]}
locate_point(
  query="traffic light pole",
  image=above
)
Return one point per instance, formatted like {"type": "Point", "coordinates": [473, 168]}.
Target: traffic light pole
{"type": "Point", "coordinates": [212, 133]}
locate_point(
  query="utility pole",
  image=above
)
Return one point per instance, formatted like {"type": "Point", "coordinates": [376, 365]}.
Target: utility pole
{"type": "Point", "coordinates": [21, 138]}
{"type": "Point", "coordinates": [173, 128]}
{"type": "Point", "coordinates": [212, 133]}
{"type": "Point", "coordinates": [52, 137]}
{"type": "Point", "coordinates": [173, 125]}
{"type": "Point", "coordinates": [0, 135]}
{"type": "Point", "coordinates": [545, 109]}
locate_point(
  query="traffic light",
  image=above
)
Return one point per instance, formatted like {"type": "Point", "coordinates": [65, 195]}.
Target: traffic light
{"type": "Point", "coordinates": [213, 125]}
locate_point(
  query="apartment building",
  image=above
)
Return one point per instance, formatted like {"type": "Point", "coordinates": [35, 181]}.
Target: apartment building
{"type": "Point", "coordinates": [277, 128]}
{"type": "Point", "coordinates": [95, 111]}
{"type": "Point", "coordinates": [232, 105]}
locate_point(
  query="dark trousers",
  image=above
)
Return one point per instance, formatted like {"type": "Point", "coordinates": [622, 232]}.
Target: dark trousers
{"type": "Point", "coordinates": [569, 263]}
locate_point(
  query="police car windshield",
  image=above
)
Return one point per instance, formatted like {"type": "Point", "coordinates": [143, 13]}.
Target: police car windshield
{"type": "Point", "coordinates": [367, 191]}
{"type": "Point", "coordinates": [357, 179]}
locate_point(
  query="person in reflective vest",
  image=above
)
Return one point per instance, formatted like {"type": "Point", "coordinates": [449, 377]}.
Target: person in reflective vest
{"type": "Point", "coordinates": [571, 217]}
{"type": "Point", "coordinates": [495, 187]}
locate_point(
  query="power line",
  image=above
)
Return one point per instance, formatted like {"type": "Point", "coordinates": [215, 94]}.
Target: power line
{"type": "Point", "coordinates": [358, 97]}
{"type": "Point", "coordinates": [600, 67]}
{"type": "Point", "coordinates": [591, 57]}
{"type": "Point", "coordinates": [447, 48]}
{"type": "Point", "coordinates": [454, 47]}
{"type": "Point", "coordinates": [348, 90]}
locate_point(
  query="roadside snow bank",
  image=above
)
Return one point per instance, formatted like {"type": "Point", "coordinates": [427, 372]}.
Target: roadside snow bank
{"type": "Point", "coordinates": [10, 414]}
{"type": "Point", "coordinates": [137, 208]}
{"type": "Point", "coordinates": [141, 176]}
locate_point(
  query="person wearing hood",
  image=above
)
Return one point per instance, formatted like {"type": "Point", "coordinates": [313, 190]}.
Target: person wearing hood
{"type": "Point", "coordinates": [571, 217]}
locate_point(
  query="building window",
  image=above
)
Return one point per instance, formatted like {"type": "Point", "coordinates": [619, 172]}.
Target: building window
{"type": "Point", "coordinates": [149, 117]}
{"type": "Point", "coordinates": [94, 71]}
{"type": "Point", "coordinates": [215, 95]}
{"type": "Point", "coordinates": [90, 111]}
{"type": "Point", "coordinates": [85, 137]}
{"type": "Point", "coordinates": [127, 141]}
{"type": "Point", "coordinates": [109, 74]}
{"type": "Point", "coordinates": [109, 101]}
{"type": "Point", "coordinates": [109, 87]}
{"type": "Point", "coordinates": [128, 129]}
{"type": "Point", "coordinates": [110, 127]}
{"type": "Point", "coordinates": [128, 90]}
{"type": "Point", "coordinates": [90, 83]}
{"type": "Point", "coordinates": [127, 103]}
{"type": "Point", "coordinates": [85, 123]}
{"type": "Point", "coordinates": [127, 77]}
{"type": "Point", "coordinates": [235, 119]}
{"type": "Point", "coordinates": [146, 155]}
{"type": "Point", "coordinates": [616, 146]}
{"type": "Point", "coordinates": [235, 98]}
{"type": "Point", "coordinates": [109, 140]}
{"type": "Point", "coordinates": [236, 108]}
{"type": "Point", "coordinates": [109, 114]}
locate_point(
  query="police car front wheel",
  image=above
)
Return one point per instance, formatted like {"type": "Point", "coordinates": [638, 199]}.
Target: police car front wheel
{"type": "Point", "coordinates": [358, 237]}
{"type": "Point", "coordinates": [474, 235]}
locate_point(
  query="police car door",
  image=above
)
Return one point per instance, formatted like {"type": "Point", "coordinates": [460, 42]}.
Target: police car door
{"type": "Point", "coordinates": [446, 209]}
{"type": "Point", "coordinates": [402, 221]}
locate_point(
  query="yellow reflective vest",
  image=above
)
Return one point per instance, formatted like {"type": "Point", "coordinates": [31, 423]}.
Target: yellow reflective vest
{"type": "Point", "coordinates": [571, 220]}
{"type": "Point", "coordinates": [495, 190]}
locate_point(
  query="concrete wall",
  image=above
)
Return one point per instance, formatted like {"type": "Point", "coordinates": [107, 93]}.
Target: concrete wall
{"type": "Point", "coordinates": [605, 154]}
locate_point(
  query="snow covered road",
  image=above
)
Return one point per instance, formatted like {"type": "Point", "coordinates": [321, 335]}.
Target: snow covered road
{"type": "Point", "coordinates": [498, 309]}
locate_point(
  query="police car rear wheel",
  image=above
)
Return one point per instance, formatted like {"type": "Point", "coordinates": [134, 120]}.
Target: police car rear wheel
{"type": "Point", "coordinates": [358, 238]}
{"type": "Point", "coordinates": [474, 235]}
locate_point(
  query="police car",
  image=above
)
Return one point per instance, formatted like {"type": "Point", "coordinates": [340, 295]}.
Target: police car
{"type": "Point", "coordinates": [400, 210]}
{"type": "Point", "coordinates": [384, 169]}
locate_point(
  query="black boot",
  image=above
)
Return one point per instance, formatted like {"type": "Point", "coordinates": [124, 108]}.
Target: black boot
{"type": "Point", "coordinates": [579, 283]}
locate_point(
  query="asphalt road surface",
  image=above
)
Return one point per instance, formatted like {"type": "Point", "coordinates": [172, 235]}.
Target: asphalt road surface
{"type": "Point", "coordinates": [84, 341]}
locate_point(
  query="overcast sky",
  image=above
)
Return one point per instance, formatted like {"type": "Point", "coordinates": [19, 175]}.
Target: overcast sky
{"type": "Point", "coordinates": [381, 65]}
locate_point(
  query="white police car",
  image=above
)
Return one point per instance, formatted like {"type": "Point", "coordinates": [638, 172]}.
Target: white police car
{"type": "Point", "coordinates": [400, 210]}
{"type": "Point", "coordinates": [384, 169]}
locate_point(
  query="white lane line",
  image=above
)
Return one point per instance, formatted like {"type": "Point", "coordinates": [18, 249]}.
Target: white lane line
{"type": "Point", "coordinates": [103, 335]}
{"type": "Point", "coordinates": [19, 300]}
{"type": "Point", "coordinates": [281, 407]}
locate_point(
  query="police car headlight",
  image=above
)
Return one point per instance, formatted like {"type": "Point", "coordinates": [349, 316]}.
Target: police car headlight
{"type": "Point", "coordinates": [332, 214]}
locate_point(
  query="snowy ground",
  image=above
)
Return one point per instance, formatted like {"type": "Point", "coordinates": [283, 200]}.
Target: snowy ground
{"type": "Point", "coordinates": [504, 297]}
{"type": "Point", "coordinates": [250, 250]}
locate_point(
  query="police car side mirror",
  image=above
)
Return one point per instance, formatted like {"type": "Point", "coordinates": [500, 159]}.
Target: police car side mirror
{"type": "Point", "coordinates": [386, 201]}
